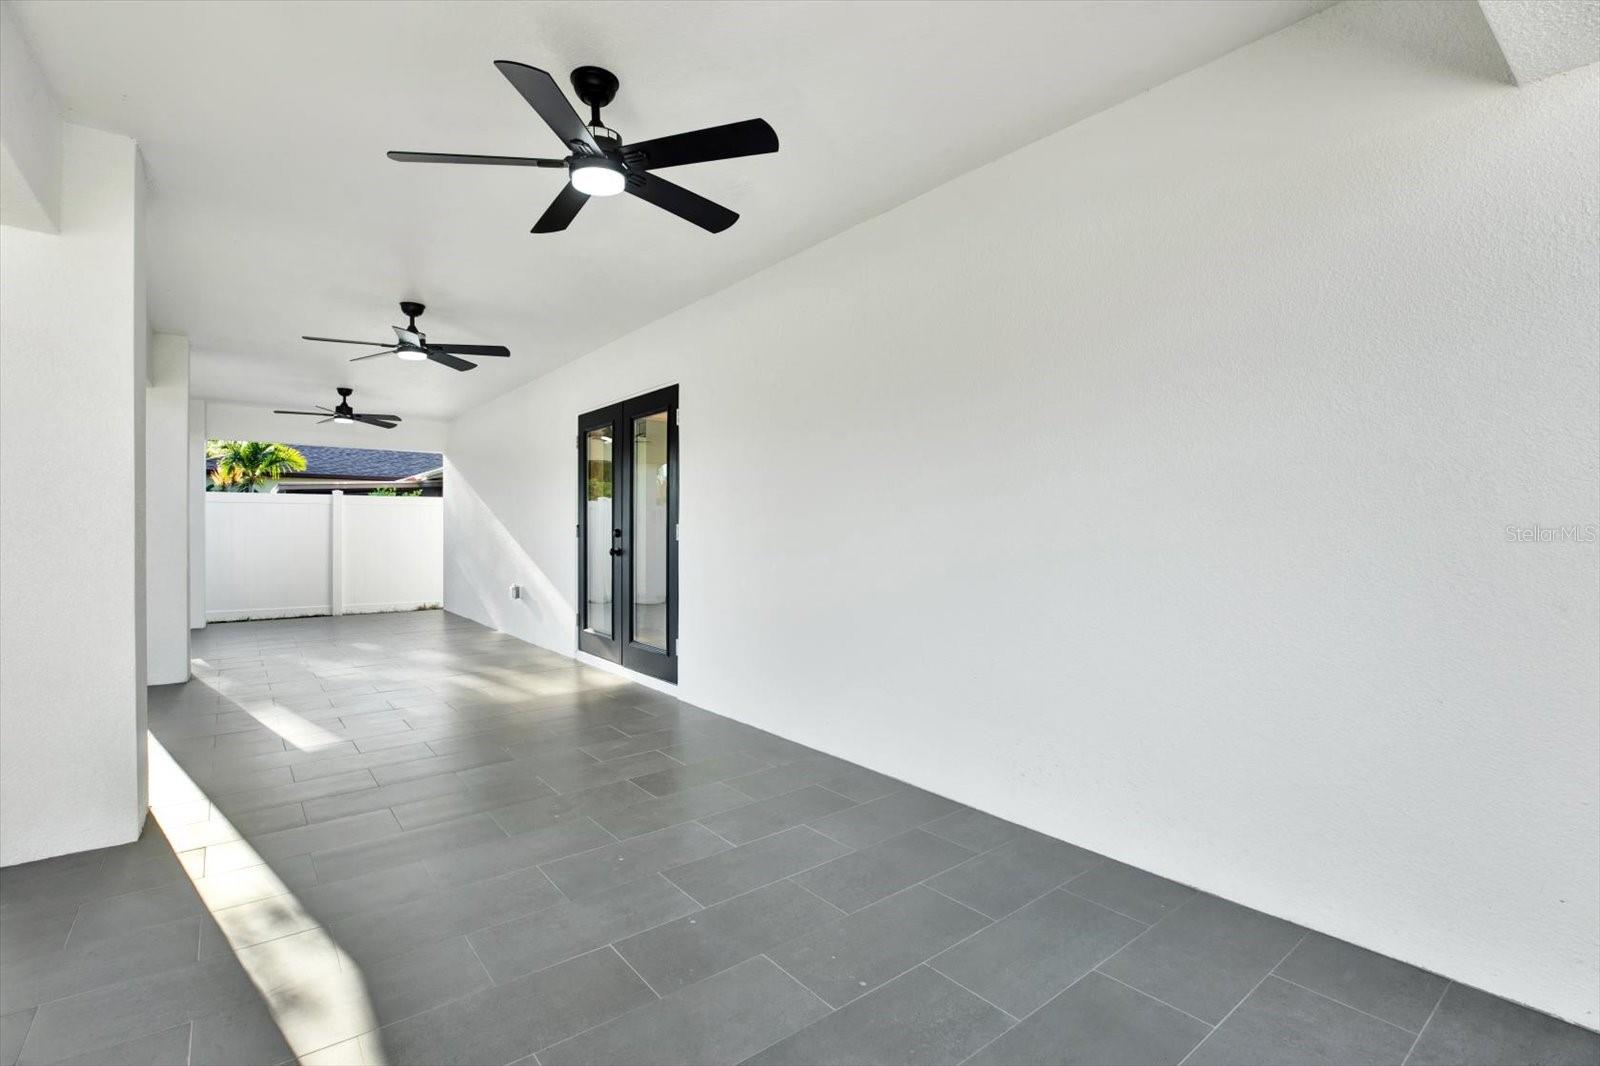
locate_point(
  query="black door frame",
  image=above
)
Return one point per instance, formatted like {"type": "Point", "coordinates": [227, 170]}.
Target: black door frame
{"type": "Point", "coordinates": [610, 420]}
{"type": "Point", "coordinates": [621, 647]}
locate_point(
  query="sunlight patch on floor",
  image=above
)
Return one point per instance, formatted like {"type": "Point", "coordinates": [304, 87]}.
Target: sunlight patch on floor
{"type": "Point", "coordinates": [297, 730]}
{"type": "Point", "coordinates": [313, 988]}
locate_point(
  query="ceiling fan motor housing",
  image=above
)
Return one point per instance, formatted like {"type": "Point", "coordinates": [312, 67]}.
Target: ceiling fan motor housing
{"type": "Point", "coordinates": [595, 86]}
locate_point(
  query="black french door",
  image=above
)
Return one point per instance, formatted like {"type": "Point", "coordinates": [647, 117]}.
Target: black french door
{"type": "Point", "coordinates": [628, 533]}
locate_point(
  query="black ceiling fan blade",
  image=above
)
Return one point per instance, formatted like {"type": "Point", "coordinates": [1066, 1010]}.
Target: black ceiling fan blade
{"type": "Point", "coordinates": [373, 355]}
{"type": "Point", "coordinates": [562, 210]}
{"type": "Point", "coordinates": [751, 137]}
{"type": "Point", "coordinates": [386, 418]}
{"type": "Point", "coordinates": [313, 414]}
{"type": "Point", "coordinates": [477, 160]}
{"type": "Point", "coordinates": [473, 349]}
{"type": "Point", "coordinates": [372, 420]}
{"type": "Point", "coordinates": [336, 340]}
{"type": "Point", "coordinates": [324, 421]}
{"type": "Point", "coordinates": [689, 206]}
{"type": "Point", "coordinates": [450, 361]}
{"type": "Point", "coordinates": [546, 97]}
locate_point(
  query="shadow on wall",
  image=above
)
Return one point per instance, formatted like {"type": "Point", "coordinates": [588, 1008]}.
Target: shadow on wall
{"type": "Point", "coordinates": [477, 543]}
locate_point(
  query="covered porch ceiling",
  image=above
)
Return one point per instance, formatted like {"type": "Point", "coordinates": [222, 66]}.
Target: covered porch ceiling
{"type": "Point", "coordinates": [272, 211]}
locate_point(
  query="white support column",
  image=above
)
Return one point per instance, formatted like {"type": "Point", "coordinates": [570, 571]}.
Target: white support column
{"type": "Point", "coordinates": [72, 381]}
{"type": "Point", "coordinates": [336, 552]}
{"type": "Point", "coordinates": [166, 511]}
{"type": "Point", "coordinates": [196, 483]}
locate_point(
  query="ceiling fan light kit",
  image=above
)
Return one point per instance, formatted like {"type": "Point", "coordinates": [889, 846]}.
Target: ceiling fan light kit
{"type": "Point", "coordinates": [596, 177]}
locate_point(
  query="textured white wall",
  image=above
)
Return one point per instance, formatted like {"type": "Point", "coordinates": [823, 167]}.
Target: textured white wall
{"type": "Point", "coordinates": [1150, 487]}
{"type": "Point", "coordinates": [167, 496]}
{"type": "Point", "coordinates": [279, 555]}
{"type": "Point", "coordinates": [71, 439]}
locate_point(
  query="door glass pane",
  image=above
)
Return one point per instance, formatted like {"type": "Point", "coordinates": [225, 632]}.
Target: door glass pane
{"type": "Point", "coordinates": [597, 530]}
{"type": "Point", "coordinates": [650, 530]}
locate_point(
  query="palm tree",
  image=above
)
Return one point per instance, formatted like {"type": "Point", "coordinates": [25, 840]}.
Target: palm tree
{"type": "Point", "coordinates": [251, 465]}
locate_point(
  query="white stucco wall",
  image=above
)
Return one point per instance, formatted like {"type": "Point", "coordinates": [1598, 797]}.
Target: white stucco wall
{"type": "Point", "coordinates": [1151, 485]}
{"type": "Point", "coordinates": [167, 500]}
{"type": "Point", "coordinates": [71, 456]}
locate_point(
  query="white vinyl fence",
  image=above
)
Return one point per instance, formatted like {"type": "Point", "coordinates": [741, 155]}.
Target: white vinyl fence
{"type": "Point", "coordinates": [283, 555]}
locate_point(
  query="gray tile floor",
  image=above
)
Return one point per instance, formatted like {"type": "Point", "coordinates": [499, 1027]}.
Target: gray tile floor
{"type": "Point", "coordinates": [406, 838]}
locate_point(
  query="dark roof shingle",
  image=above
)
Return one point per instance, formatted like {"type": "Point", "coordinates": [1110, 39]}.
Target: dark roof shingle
{"type": "Point", "coordinates": [371, 463]}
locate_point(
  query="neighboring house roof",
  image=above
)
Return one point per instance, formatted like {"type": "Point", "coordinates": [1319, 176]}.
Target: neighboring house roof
{"type": "Point", "coordinates": [370, 464]}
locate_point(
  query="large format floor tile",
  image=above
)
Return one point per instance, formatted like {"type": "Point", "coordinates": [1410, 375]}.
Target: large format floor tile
{"type": "Point", "coordinates": [1098, 1022]}
{"type": "Point", "coordinates": [853, 881]}
{"type": "Point", "coordinates": [1400, 994]}
{"type": "Point", "coordinates": [1473, 1026]}
{"type": "Point", "coordinates": [508, 1022]}
{"type": "Point", "coordinates": [1206, 956]}
{"type": "Point", "coordinates": [738, 870]}
{"type": "Point", "coordinates": [555, 934]}
{"type": "Point", "coordinates": [852, 955]}
{"type": "Point", "coordinates": [1022, 961]}
{"type": "Point", "coordinates": [1014, 873]}
{"type": "Point", "coordinates": [36, 979]}
{"type": "Point", "coordinates": [920, 1019]}
{"type": "Point", "coordinates": [431, 843]}
{"type": "Point", "coordinates": [708, 941]}
{"type": "Point", "coordinates": [1280, 1024]}
{"type": "Point", "coordinates": [718, 1022]}
{"type": "Point", "coordinates": [142, 1006]}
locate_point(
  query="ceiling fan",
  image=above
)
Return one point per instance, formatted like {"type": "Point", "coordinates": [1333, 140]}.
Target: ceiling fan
{"type": "Point", "coordinates": [601, 165]}
{"type": "Point", "coordinates": [344, 413]}
{"type": "Point", "coordinates": [412, 344]}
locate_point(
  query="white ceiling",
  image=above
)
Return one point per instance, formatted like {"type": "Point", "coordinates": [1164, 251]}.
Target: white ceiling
{"type": "Point", "coordinates": [272, 211]}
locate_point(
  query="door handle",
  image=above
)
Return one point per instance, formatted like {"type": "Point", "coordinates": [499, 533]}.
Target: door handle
{"type": "Point", "coordinates": [616, 551]}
